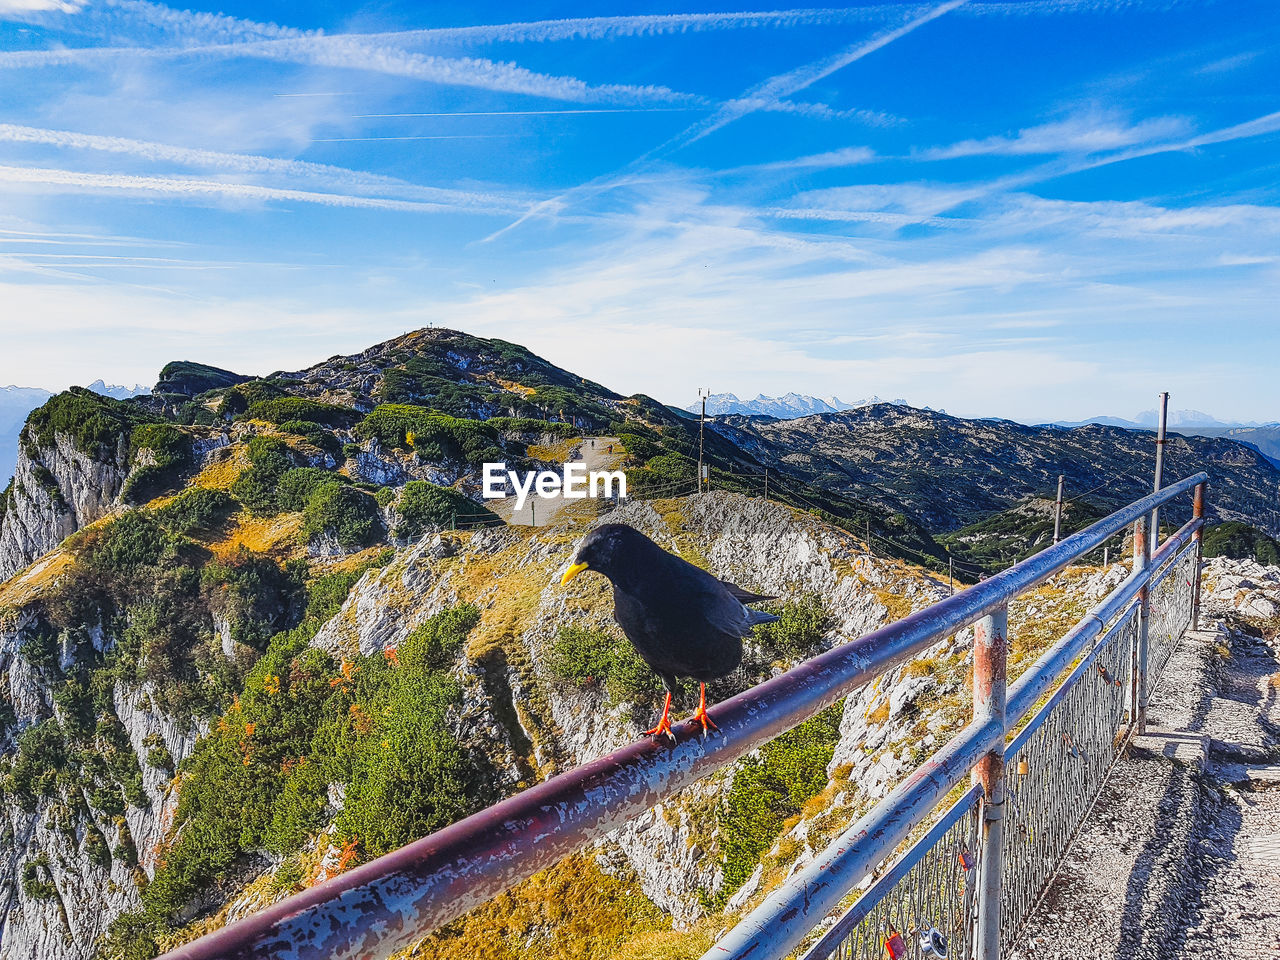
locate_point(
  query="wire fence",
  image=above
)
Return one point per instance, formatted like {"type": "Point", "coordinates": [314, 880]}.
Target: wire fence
{"type": "Point", "coordinates": [1056, 767]}
{"type": "Point", "coordinates": [922, 906]}
{"type": "Point", "coordinates": [1171, 599]}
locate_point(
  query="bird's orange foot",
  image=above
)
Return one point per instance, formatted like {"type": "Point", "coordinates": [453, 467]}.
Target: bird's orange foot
{"type": "Point", "coordinates": [663, 729]}
{"type": "Point", "coordinates": [700, 716]}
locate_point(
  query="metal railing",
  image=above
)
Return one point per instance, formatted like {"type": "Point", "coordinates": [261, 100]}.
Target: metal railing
{"type": "Point", "coordinates": [386, 905]}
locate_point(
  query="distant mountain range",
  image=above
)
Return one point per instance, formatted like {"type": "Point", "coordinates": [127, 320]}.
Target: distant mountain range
{"type": "Point", "coordinates": [787, 407]}
{"type": "Point", "coordinates": [117, 391]}
{"type": "Point", "coordinates": [1181, 420]}
{"type": "Point", "coordinates": [1263, 437]}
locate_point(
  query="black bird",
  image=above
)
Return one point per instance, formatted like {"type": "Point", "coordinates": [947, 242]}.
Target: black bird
{"type": "Point", "coordinates": [682, 621]}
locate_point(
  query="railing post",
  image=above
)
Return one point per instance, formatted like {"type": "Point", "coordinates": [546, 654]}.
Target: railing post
{"type": "Point", "coordinates": [990, 673]}
{"type": "Point", "coordinates": [1138, 691]}
{"type": "Point", "coordinates": [1197, 513]}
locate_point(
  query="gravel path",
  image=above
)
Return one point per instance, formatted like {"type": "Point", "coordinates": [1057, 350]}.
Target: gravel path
{"type": "Point", "coordinates": [594, 452]}
{"type": "Point", "coordinates": [1181, 855]}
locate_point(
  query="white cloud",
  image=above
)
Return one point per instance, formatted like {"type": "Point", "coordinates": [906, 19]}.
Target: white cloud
{"type": "Point", "coordinates": [1092, 132]}
{"type": "Point", "coordinates": [215, 35]}
{"type": "Point", "coordinates": [294, 170]}
{"type": "Point", "coordinates": [648, 25]}
{"type": "Point", "coordinates": [73, 181]}
{"type": "Point", "coordinates": [22, 7]}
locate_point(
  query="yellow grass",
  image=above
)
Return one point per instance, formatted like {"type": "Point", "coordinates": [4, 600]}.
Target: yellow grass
{"type": "Point", "coordinates": [571, 911]}
{"type": "Point", "coordinates": [223, 472]}
{"type": "Point", "coordinates": [29, 584]}
{"type": "Point", "coordinates": [277, 536]}
{"type": "Point", "coordinates": [514, 387]}
{"type": "Point", "coordinates": [560, 452]}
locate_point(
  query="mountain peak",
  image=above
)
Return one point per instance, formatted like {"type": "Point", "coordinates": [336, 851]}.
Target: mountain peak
{"type": "Point", "coordinates": [786, 407]}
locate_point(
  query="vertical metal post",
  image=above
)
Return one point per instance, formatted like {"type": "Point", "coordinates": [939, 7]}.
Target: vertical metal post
{"type": "Point", "coordinates": [1138, 690]}
{"type": "Point", "coordinates": [703, 393]}
{"type": "Point", "coordinates": [1155, 514]}
{"type": "Point", "coordinates": [951, 577]}
{"type": "Point", "coordinates": [766, 484]}
{"type": "Point", "coordinates": [1057, 512]}
{"type": "Point", "coordinates": [1197, 513]}
{"type": "Point", "coordinates": [990, 672]}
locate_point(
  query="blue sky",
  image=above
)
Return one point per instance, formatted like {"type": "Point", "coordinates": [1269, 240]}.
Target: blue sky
{"type": "Point", "coordinates": [1039, 209]}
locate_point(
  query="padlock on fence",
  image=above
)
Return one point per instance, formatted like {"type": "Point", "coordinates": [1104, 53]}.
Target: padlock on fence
{"type": "Point", "coordinates": [894, 946]}
{"type": "Point", "coordinates": [1023, 767]}
{"type": "Point", "coordinates": [937, 943]}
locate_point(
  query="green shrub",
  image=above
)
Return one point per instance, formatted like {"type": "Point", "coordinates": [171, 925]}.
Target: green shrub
{"type": "Point", "coordinates": [1240, 542]}
{"type": "Point", "coordinates": [769, 787]}
{"type": "Point", "coordinates": [593, 658]}
{"type": "Point", "coordinates": [37, 881]}
{"type": "Point", "coordinates": [527, 426]}
{"type": "Point", "coordinates": [284, 409]}
{"type": "Point", "coordinates": [423, 505]}
{"type": "Point", "coordinates": [258, 780]}
{"type": "Point", "coordinates": [347, 514]}
{"type": "Point", "coordinates": [394, 424]}
{"type": "Point", "coordinates": [639, 450]}
{"type": "Point", "coordinates": [158, 754]}
{"type": "Point", "coordinates": [314, 434]}
{"type": "Point", "coordinates": [95, 424]}
{"type": "Point", "coordinates": [171, 454]}
{"type": "Point", "coordinates": [296, 487]}
{"type": "Point", "coordinates": [798, 631]}
{"type": "Point", "coordinates": [239, 398]}
{"type": "Point", "coordinates": [132, 541]}
{"type": "Point", "coordinates": [196, 510]}
{"type": "Point", "coordinates": [252, 594]}
{"type": "Point", "coordinates": [269, 458]}
{"type": "Point", "coordinates": [434, 645]}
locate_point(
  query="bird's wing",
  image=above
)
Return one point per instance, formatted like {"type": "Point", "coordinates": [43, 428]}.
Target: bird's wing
{"type": "Point", "coordinates": [745, 596]}
{"type": "Point", "coordinates": [726, 613]}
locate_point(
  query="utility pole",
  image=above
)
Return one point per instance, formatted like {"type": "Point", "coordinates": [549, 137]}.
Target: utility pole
{"type": "Point", "coordinates": [1164, 422]}
{"type": "Point", "coordinates": [1057, 512]}
{"type": "Point", "coordinates": [703, 393]}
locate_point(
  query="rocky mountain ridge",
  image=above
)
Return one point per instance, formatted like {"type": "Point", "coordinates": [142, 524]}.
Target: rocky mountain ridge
{"type": "Point", "coordinates": [976, 468]}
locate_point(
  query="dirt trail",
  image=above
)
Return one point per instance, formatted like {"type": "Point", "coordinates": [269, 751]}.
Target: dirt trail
{"type": "Point", "coordinates": [597, 453]}
{"type": "Point", "coordinates": [1181, 856]}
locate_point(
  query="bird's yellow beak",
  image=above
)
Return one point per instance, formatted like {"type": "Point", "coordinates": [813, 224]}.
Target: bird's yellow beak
{"type": "Point", "coordinates": [572, 572]}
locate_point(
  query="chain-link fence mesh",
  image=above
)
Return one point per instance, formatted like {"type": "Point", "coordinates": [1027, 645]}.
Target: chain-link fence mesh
{"type": "Point", "coordinates": [924, 906]}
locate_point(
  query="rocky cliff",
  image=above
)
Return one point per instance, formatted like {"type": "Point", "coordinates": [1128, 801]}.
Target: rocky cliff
{"type": "Point", "coordinates": [57, 489]}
